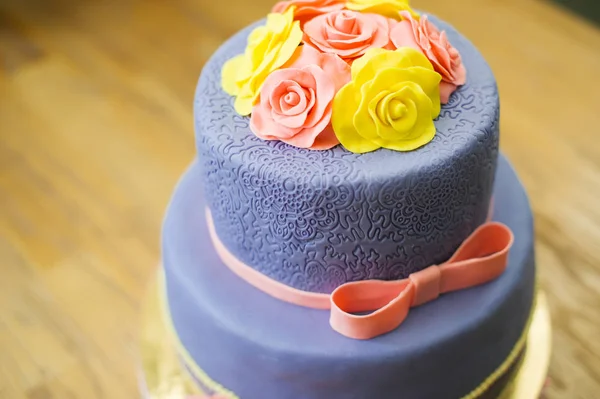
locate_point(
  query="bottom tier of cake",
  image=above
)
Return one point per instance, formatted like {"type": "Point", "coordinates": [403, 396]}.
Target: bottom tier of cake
{"type": "Point", "coordinates": [246, 344]}
{"type": "Point", "coordinates": [164, 375]}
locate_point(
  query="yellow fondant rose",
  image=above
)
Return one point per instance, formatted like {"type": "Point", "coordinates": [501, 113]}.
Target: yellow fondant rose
{"type": "Point", "coordinates": [269, 47]}
{"type": "Point", "coordinates": [391, 102]}
{"type": "Point", "coordinates": [389, 8]}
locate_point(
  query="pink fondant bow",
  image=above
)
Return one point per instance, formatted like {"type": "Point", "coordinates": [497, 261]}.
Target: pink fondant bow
{"type": "Point", "coordinates": [481, 258]}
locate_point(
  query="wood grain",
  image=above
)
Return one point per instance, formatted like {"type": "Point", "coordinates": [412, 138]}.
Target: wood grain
{"type": "Point", "coordinates": [96, 127]}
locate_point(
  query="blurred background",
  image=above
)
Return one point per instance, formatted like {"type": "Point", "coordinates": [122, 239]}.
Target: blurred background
{"type": "Point", "coordinates": [96, 127]}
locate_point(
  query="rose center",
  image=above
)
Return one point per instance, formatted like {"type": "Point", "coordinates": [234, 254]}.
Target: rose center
{"type": "Point", "coordinates": [345, 22]}
{"type": "Point", "coordinates": [292, 98]}
{"type": "Point", "coordinates": [396, 109]}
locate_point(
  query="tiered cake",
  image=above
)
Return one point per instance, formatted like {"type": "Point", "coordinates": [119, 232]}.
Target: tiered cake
{"type": "Point", "coordinates": [300, 248]}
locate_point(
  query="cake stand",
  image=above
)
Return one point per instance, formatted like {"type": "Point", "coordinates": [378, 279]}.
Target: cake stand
{"type": "Point", "coordinates": [162, 377]}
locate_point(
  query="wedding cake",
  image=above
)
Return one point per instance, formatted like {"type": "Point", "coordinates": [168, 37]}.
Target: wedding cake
{"type": "Point", "coordinates": [348, 228]}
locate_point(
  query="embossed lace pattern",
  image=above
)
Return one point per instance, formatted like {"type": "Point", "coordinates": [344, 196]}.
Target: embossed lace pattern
{"type": "Point", "coordinates": [316, 219]}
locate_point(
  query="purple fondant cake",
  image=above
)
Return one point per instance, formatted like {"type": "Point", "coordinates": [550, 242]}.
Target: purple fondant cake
{"type": "Point", "coordinates": [316, 219]}
{"type": "Point", "coordinates": [333, 238]}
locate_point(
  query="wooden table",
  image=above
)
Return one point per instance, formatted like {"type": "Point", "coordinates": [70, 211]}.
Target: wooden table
{"type": "Point", "coordinates": [96, 127]}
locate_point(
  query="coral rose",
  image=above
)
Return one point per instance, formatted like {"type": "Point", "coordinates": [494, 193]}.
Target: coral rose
{"type": "Point", "coordinates": [425, 36]}
{"type": "Point", "coordinates": [391, 102]}
{"type": "Point", "coordinates": [337, 70]}
{"type": "Point", "coordinates": [296, 101]}
{"type": "Point", "coordinates": [269, 47]}
{"type": "Point", "coordinates": [348, 34]}
{"type": "Point", "coordinates": [308, 9]}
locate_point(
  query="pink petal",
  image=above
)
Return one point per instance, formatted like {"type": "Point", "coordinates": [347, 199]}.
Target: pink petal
{"type": "Point", "coordinates": [427, 38]}
{"type": "Point", "coordinates": [314, 27]}
{"type": "Point", "coordinates": [381, 31]}
{"type": "Point", "coordinates": [337, 70]}
{"type": "Point", "coordinates": [280, 90]}
{"type": "Point", "coordinates": [324, 92]}
{"type": "Point", "coordinates": [289, 102]}
{"type": "Point", "coordinates": [344, 21]}
{"type": "Point", "coordinates": [441, 60]}
{"type": "Point", "coordinates": [348, 34]}
{"type": "Point", "coordinates": [308, 9]}
{"type": "Point", "coordinates": [460, 73]}
{"type": "Point", "coordinates": [298, 120]}
{"type": "Point", "coordinates": [281, 116]}
{"type": "Point", "coordinates": [304, 55]}
{"type": "Point", "coordinates": [306, 138]}
{"type": "Point", "coordinates": [303, 101]}
{"type": "Point", "coordinates": [280, 7]}
{"type": "Point", "coordinates": [439, 53]}
{"type": "Point", "coordinates": [325, 140]}
{"type": "Point", "coordinates": [446, 89]}
{"type": "Point", "coordinates": [334, 66]}
{"type": "Point", "coordinates": [331, 34]}
{"type": "Point", "coordinates": [264, 127]}
{"type": "Point", "coordinates": [402, 35]}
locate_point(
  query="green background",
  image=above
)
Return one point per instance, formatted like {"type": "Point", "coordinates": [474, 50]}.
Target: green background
{"type": "Point", "coordinates": [589, 9]}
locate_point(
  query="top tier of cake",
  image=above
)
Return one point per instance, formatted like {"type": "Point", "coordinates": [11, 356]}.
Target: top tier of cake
{"type": "Point", "coordinates": [316, 219]}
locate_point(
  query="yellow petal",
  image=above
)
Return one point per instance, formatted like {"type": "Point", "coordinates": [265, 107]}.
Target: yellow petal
{"type": "Point", "coordinates": [229, 75]}
{"type": "Point", "coordinates": [401, 125]}
{"type": "Point", "coordinates": [422, 130]}
{"type": "Point", "coordinates": [421, 112]}
{"type": "Point", "coordinates": [243, 104]}
{"type": "Point", "coordinates": [269, 47]}
{"type": "Point", "coordinates": [364, 122]}
{"type": "Point", "coordinates": [430, 83]}
{"type": "Point", "coordinates": [255, 38]}
{"type": "Point", "coordinates": [379, 114]}
{"type": "Point", "coordinates": [428, 80]}
{"type": "Point", "coordinates": [260, 52]}
{"type": "Point", "coordinates": [276, 22]}
{"type": "Point", "coordinates": [360, 63]}
{"type": "Point", "coordinates": [390, 103]}
{"type": "Point", "coordinates": [345, 103]}
{"type": "Point", "coordinates": [388, 8]}
{"type": "Point", "coordinates": [412, 57]}
{"type": "Point", "coordinates": [406, 123]}
{"type": "Point", "coordinates": [289, 46]}
{"type": "Point", "coordinates": [379, 59]}
{"type": "Point", "coordinates": [427, 131]}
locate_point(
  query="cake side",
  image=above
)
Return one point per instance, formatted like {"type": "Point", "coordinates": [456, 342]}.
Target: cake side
{"type": "Point", "coordinates": [256, 346]}
{"type": "Point", "coordinates": [314, 220]}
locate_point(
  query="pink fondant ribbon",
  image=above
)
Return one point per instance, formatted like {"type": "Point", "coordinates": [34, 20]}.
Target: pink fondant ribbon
{"type": "Point", "coordinates": [482, 257]}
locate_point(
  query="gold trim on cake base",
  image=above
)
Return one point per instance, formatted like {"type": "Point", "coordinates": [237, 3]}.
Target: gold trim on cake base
{"type": "Point", "coordinates": [162, 376]}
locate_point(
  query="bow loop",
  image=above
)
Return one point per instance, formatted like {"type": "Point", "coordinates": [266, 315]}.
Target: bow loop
{"type": "Point", "coordinates": [388, 301]}
{"type": "Point", "coordinates": [482, 257]}
{"type": "Point", "coordinates": [488, 240]}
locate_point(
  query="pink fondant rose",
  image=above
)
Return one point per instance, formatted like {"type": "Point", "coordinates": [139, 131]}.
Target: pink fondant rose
{"type": "Point", "coordinates": [296, 101]}
{"type": "Point", "coordinates": [424, 36]}
{"type": "Point", "coordinates": [308, 9]}
{"type": "Point", "coordinates": [348, 34]}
